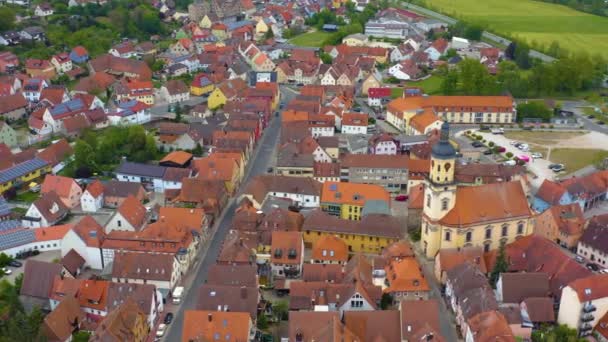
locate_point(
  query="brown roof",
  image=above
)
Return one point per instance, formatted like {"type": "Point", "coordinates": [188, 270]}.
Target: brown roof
{"type": "Point", "coordinates": [95, 188]}
{"type": "Point", "coordinates": [591, 287]}
{"type": "Point", "coordinates": [311, 326]}
{"type": "Point", "coordinates": [38, 277]}
{"type": "Point", "coordinates": [421, 121]}
{"type": "Point", "coordinates": [143, 294]}
{"type": "Point", "coordinates": [76, 123]}
{"type": "Point", "coordinates": [176, 174]}
{"type": "Point", "coordinates": [540, 309]}
{"type": "Point", "coordinates": [602, 326]}
{"type": "Point", "coordinates": [201, 191]}
{"type": "Point", "coordinates": [133, 211]}
{"type": "Point", "coordinates": [550, 192]}
{"type": "Point", "coordinates": [233, 275]}
{"type": "Point", "coordinates": [370, 225]}
{"type": "Point", "coordinates": [416, 197]}
{"type": "Point", "coordinates": [518, 286]}
{"type": "Point", "coordinates": [330, 248]}
{"type": "Point", "coordinates": [354, 119]}
{"type": "Point", "coordinates": [236, 249]}
{"type": "Point", "coordinates": [596, 234]}
{"type": "Point", "coordinates": [121, 189]}
{"type": "Point", "coordinates": [488, 203]}
{"type": "Point", "coordinates": [13, 102]}
{"type": "Point", "coordinates": [211, 168]}
{"type": "Point", "coordinates": [374, 325]}
{"type": "Point", "coordinates": [51, 207]}
{"type": "Point", "coordinates": [405, 275]}
{"type": "Point", "coordinates": [398, 250]}
{"type": "Point", "coordinates": [176, 87]}
{"type": "Point", "coordinates": [57, 152]}
{"type": "Point", "coordinates": [305, 295]}
{"type": "Point", "coordinates": [63, 321]}
{"type": "Point", "coordinates": [569, 218]}
{"type": "Point", "coordinates": [533, 253]}
{"type": "Point", "coordinates": [72, 261]}
{"type": "Point", "coordinates": [417, 315]}
{"type": "Point", "coordinates": [287, 247]}
{"type": "Point", "coordinates": [89, 231]}
{"type": "Point", "coordinates": [490, 326]}
{"type": "Point", "coordinates": [120, 324]}
{"type": "Point", "coordinates": [452, 257]}
{"type": "Point", "coordinates": [489, 173]}
{"type": "Point", "coordinates": [333, 273]}
{"type": "Point", "coordinates": [146, 266]}
{"type": "Point", "coordinates": [230, 298]}
{"type": "Point", "coordinates": [375, 161]}
{"type": "Point", "coordinates": [200, 325]}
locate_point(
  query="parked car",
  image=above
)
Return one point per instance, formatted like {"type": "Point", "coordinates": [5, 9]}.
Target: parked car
{"type": "Point", "coordinates": [487, 152]}
{"type": "Point", "coordinates": [524, 158]}
{"type": "Point", "coordinates": [15, 263]}
{"type": "Point", "coordinates": [537, 155]}
{"type": "Point", "coordinates": [498, 131]}
{"type": "Point", "coordinates": [579, 259]}
{"type": "Point", "coordinates": [514, 143]}
{"type": "Point", "coordinates": [601, 123]}
{"type": "Point", "coordinates": [168, 318]}
{"type": "Point", "coordinates": [477, 144]}
{"type": "Point", "coordinates": [6, 271]}
{"type": "Point", "coordinates": [160, 332]}
{"type": "Point", "coordinates": [502, 149]}
{"type": "Point", "coordinates": [269, 170]}
{"type": "Point", "coordinates": [557, 167]}
{"type": "Point", "coordinates": [510, 162]}
{"type": "Point", "coordinates": [484, 128]}
{"type": "Point", "coordinates": [593, 267]}
{"type": "Point", "coordinates": [401, 198]}
{"type": "Point", "coordinates": [604, 271]}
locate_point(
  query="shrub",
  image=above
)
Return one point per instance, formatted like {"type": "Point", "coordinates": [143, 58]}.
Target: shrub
{"type": "Point", "coordinates": [478, 137]}
{"type": "Point", "coordinates": [491, 144]}
{"type": "Point", "coordinates": [551, 126]}
{"type": "Point", "coordinates": [509, 155]}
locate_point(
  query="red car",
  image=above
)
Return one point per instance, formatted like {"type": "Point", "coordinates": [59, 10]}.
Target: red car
{"type": "Point", "coordinates": [401, 198]}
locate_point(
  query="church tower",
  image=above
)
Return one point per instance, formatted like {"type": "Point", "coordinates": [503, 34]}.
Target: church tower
{"type": "Point", "coordinates": [439, 191]}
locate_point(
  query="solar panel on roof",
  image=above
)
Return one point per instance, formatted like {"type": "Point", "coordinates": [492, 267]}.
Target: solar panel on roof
{"type": "Point", "coordinates": [21, 169]}
{"type": "Point", "coordinates": [9, 224]}
{"type": "Point", "coordinates": [17, 238]}
{"type": "Point", "coordinates": [5, 209]}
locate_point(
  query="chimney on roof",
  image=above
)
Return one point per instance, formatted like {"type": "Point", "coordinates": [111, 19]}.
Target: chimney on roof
{"type": "Point", "coordinates": [210, 317]}
{"type": "Point", "coordinates": [243, 292]}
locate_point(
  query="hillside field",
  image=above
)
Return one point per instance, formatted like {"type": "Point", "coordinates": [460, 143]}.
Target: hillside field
{"type": "Point", "coordinates": [533, 21]}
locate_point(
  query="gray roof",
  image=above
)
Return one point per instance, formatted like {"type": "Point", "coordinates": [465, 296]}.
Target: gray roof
{"type": "Point", "coordinates": [38, 277]}
{"type": "Point", "coordinates": [116, 188]}
{"type": "Point", "coordinates": [411, 139]}
{"type": "Point", "coordinates": [375, 207]}
{"type": "Point", "coordinates": [9, 224]}
{"type": "Point", "coordinates": [21, 169]}
{"type": "Point", "coordinates": [143, 170]}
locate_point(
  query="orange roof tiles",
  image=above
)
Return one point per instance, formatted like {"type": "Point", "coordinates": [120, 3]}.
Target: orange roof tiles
{"type": "Point", "coordinates": [292, 115]}
{"type": "Point", "coordinates": [95, 188]}
{"type": "Point", "coordinates": [52, 233]}
{"type": "Point", "coordinates": [89, 231]}
{"type": "Point", "coordinates": [284, 244]}
{"type": "Point", "coordinates": [354, 119]}
{"type": "Point", "coordinates": [210, 168]}
{"type": "Point", "coordinates": [202, 325]}
{"type": "Point", "coordinates": [352, 193]}
{"type": "Point", "coordinates": [488, 203]}
{"type": "Point", "coordinates": [405, 275]}
{"type": "Point", "coordinates": [421, 121]}
{"type": "Point", "coordinates": [330, 248]}
{"type": "Point", "coordinates": [177, 157]}
{"type": "Point", "coordinates": [591, 288]}
{"type": "Point", "coordinates": [93, 294]}
{"type": "Point", "coordinates": [61, 185]}
{"type": "Point", "coordinates": [133, 211]}
{"type": "Point", "coordinates": [448, 103]}
{"type": "Point", "coordinates": [185, 217]}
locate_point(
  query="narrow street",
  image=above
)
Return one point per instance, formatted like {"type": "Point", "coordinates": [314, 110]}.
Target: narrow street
{"type": "Point", "coordinates": [259, 162]}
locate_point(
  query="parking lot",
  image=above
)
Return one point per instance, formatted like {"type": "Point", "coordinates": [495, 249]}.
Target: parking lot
{"type": "Point", "coordinates": [44, 256]}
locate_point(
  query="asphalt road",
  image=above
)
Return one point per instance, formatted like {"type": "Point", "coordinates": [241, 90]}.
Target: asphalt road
{"type": "Point", "coordinates": [588, 124]}
{"type": "Point", "coordinates": [258, 164]}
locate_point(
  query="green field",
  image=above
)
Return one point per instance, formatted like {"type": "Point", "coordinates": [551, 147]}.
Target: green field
{"type": "Point", "coordinates": [310, 39]}
{"type": "Point", "coordinates": [533, 21]}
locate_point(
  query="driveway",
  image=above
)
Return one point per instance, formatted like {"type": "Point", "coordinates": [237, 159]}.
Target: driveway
{"type": "Point", "coordinates": [44, 256]}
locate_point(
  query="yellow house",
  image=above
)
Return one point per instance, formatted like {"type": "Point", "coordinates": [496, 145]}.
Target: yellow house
{"type": "Point", "coordinates": [370, 235]}
{"type": "Point", "coordinates": [261, 28]}
{"type": "Point", "coordinates": [456, 216]}
{"type": "Point", "coordinates": [347, 200]}
{"type": "Point", "coordinates": [371, 81]}
{"type": "Point", "coordinates": [205, 23]}
{"type": "Point", "coordinates": [23, 173]}
{"type": "Point", "coordinates": [216, 99]}
{"type": "Point", "coordinates": [238, 157]}
{"type": "Point", "coordinates": [201, 85]}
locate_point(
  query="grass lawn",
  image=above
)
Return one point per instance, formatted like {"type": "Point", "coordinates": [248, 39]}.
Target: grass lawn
{"type": "Point", "coordinates": [310, 39]}
{"type": "Point", "coordinates": [534, 21]}
{"type": "Point", "coordinates": [541, 138]}
{"type": "Point", "coordinates": [27, 196]}
{"type": "Point", "coordinates": [577, 158]}
{"type": "Point", "coordinates": [430, 85]}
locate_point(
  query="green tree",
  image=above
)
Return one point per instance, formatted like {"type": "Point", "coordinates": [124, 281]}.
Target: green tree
{"type": "Point", "coordinates": [386, 301]}
{"type": "Point", "coordinates": [269, 34]}
{"type": "Point", "coordinates": [281, 310]}
{"type": "Point", "coordinates": [449, 84]}
{"type": "Point", "coordinates": [559, 333]}
{"type": "Point", "coordinates": [262, 323]}
{"type": "Point", "coordinates": [81, 336]}
{"type": "Point", "coordinates": [522, 56]}
{"type": "Point", "coordinates": [178, 112]}
{"type": "Point", "coordinates": [534, 109]}
{"type": "Point", "coordinates": [501, 265]}
{"type": "Point", "coordinates": [7, 18]}
{"type": "Point", "coordinates": [473, 32]}
{"type": "Point", "coordinates": [325, 57]}
{"type": "Point", "coordinates": [475, 79]}
{"type": "Point", "coordinates": [198, 150]}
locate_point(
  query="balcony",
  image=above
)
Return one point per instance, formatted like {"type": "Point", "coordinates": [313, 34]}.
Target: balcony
{"type": "Point", "coordinates": [589, 308]}
{"type": "Point", "coordinates": [587, 318]}
{"type": "Point", "coordinates": [585, 327]}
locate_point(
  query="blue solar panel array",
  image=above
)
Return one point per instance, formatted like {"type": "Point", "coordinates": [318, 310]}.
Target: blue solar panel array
{"type": "Point", "coordinates": [66, 107]}
{"type": "Point", "coordinates": [21, 169]}
{"type": "Point", "coordinates": [17, 238]}
{"type": "Point", "coordinates": [5, 209]}
{"type": "Point", "coordinates": [9, 224]}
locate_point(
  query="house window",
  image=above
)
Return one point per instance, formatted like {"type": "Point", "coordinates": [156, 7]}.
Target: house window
{"type": "Point", "coordinates": [520, 228]}
{"type": "Point", "coordinates": [486, 247]}
{"type": "Point", "coordinates": [119, 223]}
{"type": "Point", "coordinates": [505, 230]}
{"type": "Point", "coordinates": [444, 204]}
{"type": "Point", "coordinates": [428, 201]}
{"type": "Point", "coordinates": [469, 236]}
{"type": "Point", "coordinates": [488, 233]}
{"type": "Point", "coordinates": [448, 236]}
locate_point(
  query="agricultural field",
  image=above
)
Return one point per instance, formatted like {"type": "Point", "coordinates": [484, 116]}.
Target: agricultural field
{"type": "Point", "coordinates": [310, 39]}
{"type": "Point", "coordinates": [533, 21]}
